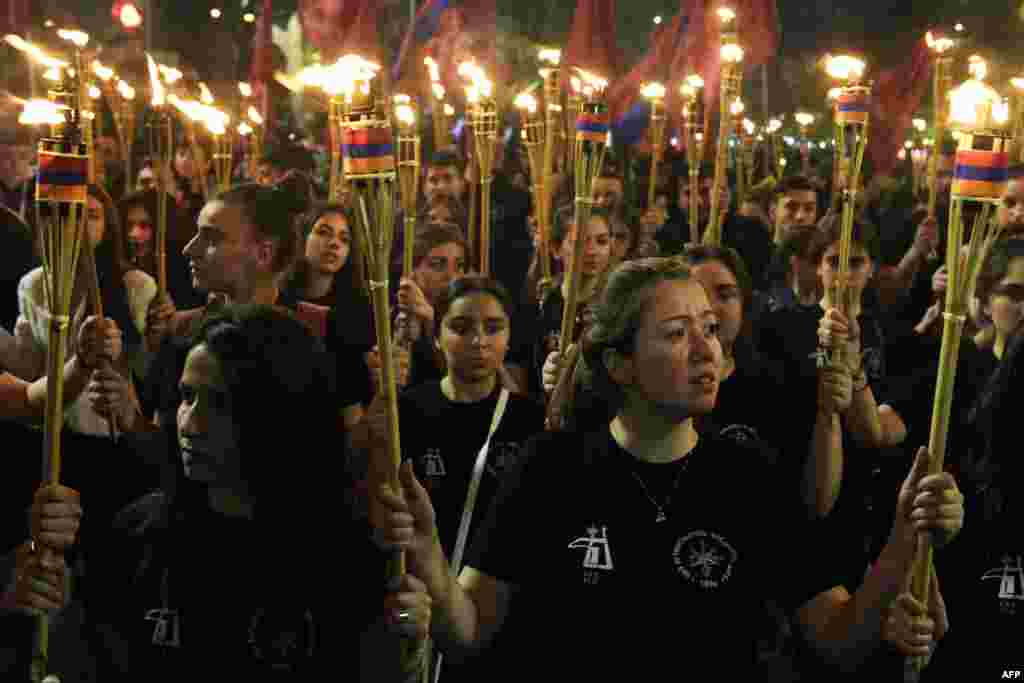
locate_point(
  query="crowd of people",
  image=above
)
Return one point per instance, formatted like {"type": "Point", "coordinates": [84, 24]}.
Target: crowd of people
{"type": "Point", "coordinates": [722, 468]}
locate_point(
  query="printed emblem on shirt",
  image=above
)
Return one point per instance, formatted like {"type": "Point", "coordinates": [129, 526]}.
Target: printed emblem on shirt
{"type": "Point", "coordinates": [433, 464]}
{"type": "Point", "coordinates": [282, 638]}
{"type": "Point", "coordinates": [597, 556]}
{"type": "Point", "coordinates": [705, 559]}
{"type": "Point", "coordinates": [1011, 583]}
{"type": "Point", "coordinates": [166, 627]}
{"type": "Point", "coordinates": [741, 434]}
{"type": "Point", "coordinates": [874, 364]}
{"type": "Point", "coordinates": [501, 458]}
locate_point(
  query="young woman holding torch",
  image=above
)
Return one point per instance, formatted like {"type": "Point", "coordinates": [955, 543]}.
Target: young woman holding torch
{"type": "Point", "coordinates": [643, 516]}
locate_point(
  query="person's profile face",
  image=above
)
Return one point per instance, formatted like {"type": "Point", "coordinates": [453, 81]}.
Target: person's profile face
{"type": "Point", "coordinates": [207, 434]}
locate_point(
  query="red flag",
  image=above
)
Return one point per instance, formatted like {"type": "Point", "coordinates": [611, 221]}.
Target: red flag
{"type": "Point", "coordinates": [262, 58]}
{"type": "Point", "coordinates": [897, 95]}
{"type": "Point", "coordinates": [363, 35]}
{"type": "Point", "coordinates": [759, 30]}
{"type": "Point", "coordinates": [592, 43]}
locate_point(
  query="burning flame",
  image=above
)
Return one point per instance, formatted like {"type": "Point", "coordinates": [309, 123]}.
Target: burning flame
{"type": "Point", "coordinates": [342, 77]}
{"type": "Point", "coordinates": [1017, 83]}
{"type": "Point", "coordinates": [244, 129]}
{"type": "Point", "coordinates": [737, 107]}
{"type": "Point", "coordinates": [976, 105]}
{"type": "Point", "coordinates": [171, 76]}
{"type": "Point", "coordinates": [205, 96]}
{"type": "Point", "coordinates": [38, 112]}
{"type": "Point", "coordinates": [909, 144]}
{"type": "Point", "coordinates": [695, 81]}
{"type": "Point", "coordinates": [920, 125]}
{"type": "Point", "coordinates": [732, 53]}
{"type": "Point", "coordinates": [590, 84]}
{"type": "Point", "coordinates": [438, 91]}
{"type": "Point", "coordinates": [126, 91]}
{"type": "Point", "coordinates": [104, 73]}
{"type": "Point", "coordinates": [803, 118]}
{"type": "Point", "coordinates": [550, 56]}
{"type": "Point", "coordinates": [844, 67]}
{"type": "Point", "coordinates": [449, 110]}
{"type": "Point", "coordinates": [726, 14]}
{"type": "Point", "coordinates": [215, 121]}
{"type": "Point", "coordinates": [435, 71]}
{"type": "Point", "coordinates": [52, 74]}
{"type": "Point", "coordinates": [480, 87]}
{"type": "Point", "coordinates": [749, 126]}
{"type": "Point", "coordinates": [405, 114]}
{"type": "Point", "coordinates": [79, 38]}
{"type": "Point", "coordinates": [834, 93]}
{"type": "Point", "coordinates": [254, 116]}
{"type": "Point", "coordinates": [245, 89]}
{"type": "Point", "coordinates": [94, 92]}
{"type": "Point", "coordinates": [940, 44]}
{"type": "Point", "coordinates": [653, 91]}
{"type": "Point", "coordinates": [159, 93]}
{"type": "Point", "coordinates": [526, 101]}
{"type": "Point", "coordinates": [977, 67]}
{"type": "Point", "coordinates": [34, 53]}
{"type": "Point", "coordinates": [774, 125]}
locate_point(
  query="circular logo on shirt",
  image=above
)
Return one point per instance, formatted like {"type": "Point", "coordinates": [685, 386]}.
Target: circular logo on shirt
{"type": "Point", "coordinates": [282, 638]}
{"type": "Point", "coordinates": [741, 434]}
{"type": "Point", "coordinates": [705, 559]}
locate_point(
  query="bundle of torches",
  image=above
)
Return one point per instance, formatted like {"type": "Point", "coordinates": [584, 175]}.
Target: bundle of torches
{"type": "Point", "coordinates": [376, 160]}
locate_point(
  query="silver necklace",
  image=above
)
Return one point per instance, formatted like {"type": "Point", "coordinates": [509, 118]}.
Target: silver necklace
{"type": "Point", "coordinates": [667, 504]}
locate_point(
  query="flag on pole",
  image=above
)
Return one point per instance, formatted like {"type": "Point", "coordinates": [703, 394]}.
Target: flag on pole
{"type": "Point", "coordinates": [896, 96]}
{"type": "Point", "coordinates": [592, 45]}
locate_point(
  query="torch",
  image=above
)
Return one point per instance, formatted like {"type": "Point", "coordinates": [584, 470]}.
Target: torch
{"type": "Point", "coordinates": [731, 80]}
{"type": "Point", "coordinates": [1018, 117]}
{"type": "Point", "coordinates": [160, 144]}
{"type": "Point", "coordinates": [256, 139]}
{"type": "Point", "coordinates": [941, 48]}
{"type": "Point", "coordinates": [368, 162]}
{"type": "Point", "coordinates": [223, 161]}
{"type": "Point", "coordinates": [574, 104]}
{"type": "Point", "coordinates": [409, 164]}
{"type": "Point", "coordinates": [980, 116]}
{"type": "Point", "coordinates": [736, 110]}
{"type": "Point", "coordinates": [774, 128]}
{"type": "Point", "coordinates": [483, 111]}
{"type": "Point", "coordinates": [554, 133]}
{"type": "Point", "coordinates": [747, 129]}
{"type": "Point", "coordinates": [655, 93]}
{"type": "Point", "coordinates": [693, 128]}
{"type": "Point", "coordinates": [804, 121]}
{"type": "Point", "coordinates": [592, 127]}
{"type": "Point", "coordinates": [918, 154]}
{"type": "Point", "coordinates": [535, 141]}
{"type": "Point", "coordinates": [851, 127]}
{"type": "Point", "coordinates": [442, 112]}
{"type": "Point", "coordinates": [61, 196]}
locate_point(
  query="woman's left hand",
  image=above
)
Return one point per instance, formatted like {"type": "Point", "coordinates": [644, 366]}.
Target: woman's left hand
{"type": "Point", "coordinates": [412, 299]}
{"type": "Point", "coordinates": [408, 609]}
{"type": "Point", "coordinates": [929, 503]}
{"type": "Point", "coordinates": [39, 580]}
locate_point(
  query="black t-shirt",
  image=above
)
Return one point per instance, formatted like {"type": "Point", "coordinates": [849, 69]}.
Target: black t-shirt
{"type": "Point", "coordinates": [601, 586]}
{"type": "Point", "coordinates": [443, 439]}
{"type": "Point", "coordinates": [189, 594]}
{"type": "Point", "coordinates": [745, 410]}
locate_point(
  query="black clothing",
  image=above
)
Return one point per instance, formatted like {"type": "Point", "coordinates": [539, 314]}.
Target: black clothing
{"type": "Point", "coordinates": [598, 578]}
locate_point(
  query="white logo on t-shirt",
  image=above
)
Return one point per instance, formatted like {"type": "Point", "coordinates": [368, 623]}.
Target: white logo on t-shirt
{"type": "Point", "coordinates": [599, 553]}
{"type": "Point", "coordinates": [433, 463]}
{"type": "Point", "coordinates": [704, 558]}
{"type": "Point", "coordinates": [166, 628]}
{"type": "Point", "coordinates": [1011, 582]}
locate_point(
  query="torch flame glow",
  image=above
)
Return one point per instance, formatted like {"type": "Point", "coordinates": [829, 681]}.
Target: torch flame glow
{"type": "Point", "coordinates": [726, 14]}
{"type": "Point", "coordinates": [38, 112]}
{"type": "Point", "coordinates": [406, 115]}
{"type": "Point", "coordinates": [34, 52]}
{"type": "Point", "coordinates": [977, 67]}
{"type": "Point", "coordinates": [920, 125]}
{"type": "Point", "coordinates": [653, 91]}
{"type": "Point", "coordinates": [834, 93]}
{"type": "Point", "coordinates": [171, 76]}
{"type": "Point", "coordinates": [526, 101]}
{"type": "Point", "coordinates": [749, 126]}
{"type": "Point", "coordinates": [245, 89]}
{"type": "Point", "coordinates": [695, 81]}
{"type": "Point", "coordinates": [159, 93]}
{"type": "Point", "coordinates": [449, 110]}
{"type": "Point", "coordinates": [774, 125]}
{"type": "Point", "coordinates": [244, 129]}
{"type": "Point", "coordinates": [480, 86]}
{"type": "Point", "coordinates": [435, 71]}
{"type": "Point", "coordinates": [94, 92]}
{"type": "Point", "coordinates": [804, 119]}
{"type": "Point", "coordinates": [732, 53]}
{"type": "Point", "coordinates": [590, 84]}
{"type": "Point", "coordinates": [104, 73]}
{"type": "Point", "coordinates": [975, 104]}
{"type": "Point", "coordinates": [1017, 83]}
{"type": "Point", "coordinates": [126, 91]}
{"type": "Point", "coordinates": [79, 38]}
{"type": "Point", "coordinates": [940, 44]}
{"type": "Point", "coordinates": [844, 67]}
{"type": "Point", "coordinates": [550, 56]}
{"type": "Point", "coordinates": [205, 96]}
{"type": "Point", "coordinates": [254, 116]}
{"type": "Point", "coordinates": [737, 107]}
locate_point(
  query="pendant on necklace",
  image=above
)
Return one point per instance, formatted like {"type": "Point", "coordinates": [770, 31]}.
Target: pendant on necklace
{"type": "Point", "coordinates": [661, 517]}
